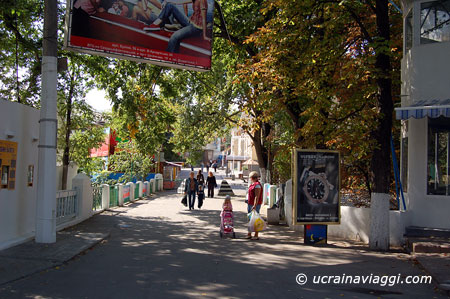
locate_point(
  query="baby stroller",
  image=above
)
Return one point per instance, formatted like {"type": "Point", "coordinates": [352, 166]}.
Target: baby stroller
{"type": "Point", "coordinates": [226, 224]}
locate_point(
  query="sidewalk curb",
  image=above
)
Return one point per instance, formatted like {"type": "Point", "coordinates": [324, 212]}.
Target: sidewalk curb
{"type": "Point", "coordinates": [440, 282]}
{"type": "Point", "coordinates": [16, 266]}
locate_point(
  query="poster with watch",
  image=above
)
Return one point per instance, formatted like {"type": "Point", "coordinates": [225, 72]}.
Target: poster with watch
{"type": "Point", "coordinates": [316, 187]}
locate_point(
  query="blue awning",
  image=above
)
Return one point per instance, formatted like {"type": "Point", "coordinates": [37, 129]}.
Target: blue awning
{"type": "Point", "coordinates": [425, 108]}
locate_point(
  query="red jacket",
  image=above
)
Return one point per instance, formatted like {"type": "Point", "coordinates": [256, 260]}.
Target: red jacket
{"type": "Point", "coordinates": [252, 194]}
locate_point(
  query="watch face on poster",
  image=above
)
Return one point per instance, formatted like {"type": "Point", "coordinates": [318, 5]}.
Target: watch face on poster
{"type": "Point", "coordinates": [317, 186]}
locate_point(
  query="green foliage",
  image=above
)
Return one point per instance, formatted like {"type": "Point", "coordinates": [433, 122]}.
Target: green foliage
{"type": "Point", "coordinates": [20, 50]}
{"type": "Point", "coordinates": [129, 160]}
{"type": "Point", "coordinates": [103, 178]}
{"type": "Point", "coordinates": [84, 125]}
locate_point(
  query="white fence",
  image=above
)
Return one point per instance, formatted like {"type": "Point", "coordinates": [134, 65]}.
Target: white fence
{"type": "Point", "coordinates": [66, 206]}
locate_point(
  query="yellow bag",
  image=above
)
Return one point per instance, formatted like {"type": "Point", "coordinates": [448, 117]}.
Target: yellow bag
{"type": "Point", "coordinates": [256, 223]}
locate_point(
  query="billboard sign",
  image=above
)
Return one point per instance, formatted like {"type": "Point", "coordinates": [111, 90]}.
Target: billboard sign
{"type": "Point", "coordinates": [316, 187]}
{"type": "Point", "coordinates": [175, 33]}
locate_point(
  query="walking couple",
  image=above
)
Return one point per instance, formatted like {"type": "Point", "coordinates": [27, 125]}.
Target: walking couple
{"type": "Point", "coordinates": [195, 186]}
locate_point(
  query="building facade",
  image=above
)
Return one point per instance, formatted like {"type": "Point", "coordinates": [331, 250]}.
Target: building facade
{"type": "Point", "coordinates": [425, 113]}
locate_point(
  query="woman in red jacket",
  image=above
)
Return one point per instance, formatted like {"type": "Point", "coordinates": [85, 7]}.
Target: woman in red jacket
{"type": "Point", "coordinates": [255, 198]}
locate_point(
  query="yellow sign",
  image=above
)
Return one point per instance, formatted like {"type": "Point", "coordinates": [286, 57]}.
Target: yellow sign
{"type": "Point", "coordinates": [8, 162]}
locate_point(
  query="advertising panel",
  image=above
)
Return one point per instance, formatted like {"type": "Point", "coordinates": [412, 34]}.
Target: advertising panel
{"type": "Point", "coordinates": [8, 164]}
{"type": "Point", "coordinates": [316, 187]}
{"type": "Point", "coordinates": [176, 33]}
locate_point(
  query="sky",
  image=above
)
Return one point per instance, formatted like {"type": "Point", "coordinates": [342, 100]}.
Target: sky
{"type": "Point", "coordinates": [97, 99]}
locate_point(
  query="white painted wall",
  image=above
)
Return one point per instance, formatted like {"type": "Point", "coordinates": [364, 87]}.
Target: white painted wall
{"type": "Point", "coordinates": [425, 73]}
{"type": "Point", "coordinates": [355, 222]}
{"type": "Point", "coordinates": [18, 207]}
{"type": "Point", "coordinates": [424, 77]}
{"type": "Point", "coordinates": [71, 173]}
{"type": "Point", "coordinates": [426, 210]}
{"type": "Point", "coordinates": [355, 225]}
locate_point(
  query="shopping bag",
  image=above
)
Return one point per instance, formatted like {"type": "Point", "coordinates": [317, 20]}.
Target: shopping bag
{"type": "Point", "coordinates": [184, 200]}
{"type": "Point", "coordinates": [256, 223]}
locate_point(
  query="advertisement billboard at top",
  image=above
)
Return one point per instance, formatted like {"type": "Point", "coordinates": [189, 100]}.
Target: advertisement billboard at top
{"type": "Point", "coordinates": [174, 33]}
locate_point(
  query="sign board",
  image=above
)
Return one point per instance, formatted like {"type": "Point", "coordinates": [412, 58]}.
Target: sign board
{"type": "Point", "coordinates": [8, 164]}
{"type": "Point", "coordinates": [125, 29]}
{"type": "Point", "coordinates": [316, 187]}
{"type": "Point", "coordinates": [315, 234]}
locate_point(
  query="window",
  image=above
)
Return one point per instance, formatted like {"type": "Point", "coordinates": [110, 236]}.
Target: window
{"type": "Point", "coordinates": [408, 31]}
{"type": "Point", "coordinates": [435, 22]}
{"type": "Point", "coordinates": [438, 156]}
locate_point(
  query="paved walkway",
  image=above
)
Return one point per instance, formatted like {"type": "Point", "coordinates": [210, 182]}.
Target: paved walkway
{"type": "Point", "coordinates": [157, 248]}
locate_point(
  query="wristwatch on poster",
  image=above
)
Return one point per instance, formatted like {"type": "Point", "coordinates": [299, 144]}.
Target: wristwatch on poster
{"type": "Point", "coordinates": [315, 187]}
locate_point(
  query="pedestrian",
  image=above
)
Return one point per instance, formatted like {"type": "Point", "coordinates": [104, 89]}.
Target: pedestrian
{"type": "Point", "coordinates": [255, 198]}
{"type": "Point", "coordinates": [200, 178]}
{"type": "Point", "coordinates": [191, 188]}
{"type": "Point", "coordinates": [212, 183]}
{"type": "Point", "coordinates": [201, 196]}
{"type": "Point", "coordinates": [192, 167]}
{"type": "Point", "coordinates": [193, 26]}
{"type": "Point", "coordinates": [215, 166]}
{"type": "Point", "coordinates": [203, 165]}
{"type": "Point", "coordinates": [208, 165]}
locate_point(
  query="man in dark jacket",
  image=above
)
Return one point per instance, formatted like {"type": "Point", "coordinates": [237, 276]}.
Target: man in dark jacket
{"type": "Point", "coordinates": [191, 188]}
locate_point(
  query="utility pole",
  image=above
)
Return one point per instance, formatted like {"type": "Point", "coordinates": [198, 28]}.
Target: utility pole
{"type": "Point", "coordinates": [46, 188]}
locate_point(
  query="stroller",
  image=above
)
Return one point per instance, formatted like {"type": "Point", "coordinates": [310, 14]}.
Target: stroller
{"type": "Point", "coordinates": [226, 224]}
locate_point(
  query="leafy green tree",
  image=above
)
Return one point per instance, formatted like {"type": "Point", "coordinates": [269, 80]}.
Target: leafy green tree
{"type": "Point", "coordinates": [20, 50]}
{"type": "Point", "coordinates": [129, 160]}
{"type": "Point", "coordinates": [80, 127]}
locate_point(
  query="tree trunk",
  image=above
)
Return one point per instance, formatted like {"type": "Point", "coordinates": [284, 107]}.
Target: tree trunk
{"type": "Point", "coordinates": [66, 154]}
{"type": "Point", "coordinates": [263, 152]}
{"type": "Point", "coordinates": [381, 158]}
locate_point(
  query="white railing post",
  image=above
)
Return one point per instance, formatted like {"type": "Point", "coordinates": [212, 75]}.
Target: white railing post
{"type": "Point", "coordinates": [120, 192]}
{"type": "Point", "coordinates": [152, 182]}
{"type": "Point", "coordinates": [266, 194]}
{"type": "Point", "coordinates": [132, 190]}
{"type": "Point", "coordinates": [147, 188]}
{"type": "Point", "coordinates": [139, 188]}
{"type": "Point", "coordinates": [105, 196]}
{"type": "Point", "coordinates": [82, 184]}
{"type": "Point", "coordinates": [272, 195]}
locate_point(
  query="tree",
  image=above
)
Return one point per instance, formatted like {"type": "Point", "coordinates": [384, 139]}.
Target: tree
{"type": "Point", "coordinates": [80, 127]}
{"type": "Point", "coordinates": [129, 160]}
{"type": "Point", "coordinates": [20, 50]}
{"type": "Point", "coordinates": [319, 59]}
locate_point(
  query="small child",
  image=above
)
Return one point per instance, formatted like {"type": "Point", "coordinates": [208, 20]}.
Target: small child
{"type": "Point", "coordinates": [201, 195]}
{"type": "Point", "coordinates": [227, 218]}
{"type": "Point", "coordinates": [227, 206]}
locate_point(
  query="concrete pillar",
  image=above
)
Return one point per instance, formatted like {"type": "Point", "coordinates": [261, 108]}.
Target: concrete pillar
{"type": "Point", "coordinates": [152, 183]}
{"type": "Point", "coordinates": [266, 194]}
{"type": "Point", "coordinates": [288, 204]}
{"type": "Point", "coordinates": [105, 196]}
{"type": "Point", "coordinates": [159, 182]}
{"type": "Point", "coordinates": [279, 193]}
{"type": "Point", "coordinates": [82, 184]}
{"type": "Point", "coordinates": [46, 179]}
{"type": "Point", "coordinates": [272, 195]}
{"type": "Point", "coordinates": [140, 187]}
{"type": "Point", "coordinates": [379, 222]}
{"type": "Point", "coordinates": [145, 189]}
{"type": "Point", "coordinates": [120, 191]}
{"type": "Point", "coordinates": [132, 187]}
